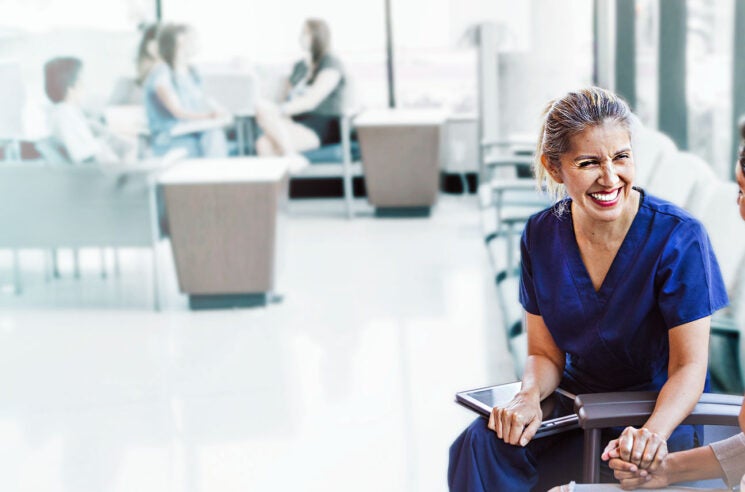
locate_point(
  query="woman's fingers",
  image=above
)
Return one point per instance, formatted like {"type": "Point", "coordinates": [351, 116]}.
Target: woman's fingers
{"type": "Point", "coordinates": [529, 432]}
{"type": "Point", "coordinates": [516, 423]}
{"type": "Point", "coordinates": [649, 453]}
{"type": "Point", "coordinates": [659, 456]}
{"type": "Point", "coordinates": [516, 428]}
{"type": "Point", "coordinates": [503, 424]}
{"type": "Point", "coordinates": [641, 447]}
{"type": "Point", "coordinates": [641, 438]}
{"type": "Point", "coordinates": [626, 443]}
{"type": "Point", "coordinates": [610, 451]}
{"type": "Point", "coordinates": [620, 466]}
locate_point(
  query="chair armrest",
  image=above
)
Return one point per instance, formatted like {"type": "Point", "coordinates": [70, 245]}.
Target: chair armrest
{"type": "Point", "coordinates": [601, 410]}
{"type": "Point", "coordinates": [518, 184]}
{"type": "Point", "coordinates": [197, 126]}
{"type": "Point", "coordinates": [509, 161]}
{"type": "Point", "coordinates": [526, 143]}
{"type": "Point", "coordinates": [724, 324]}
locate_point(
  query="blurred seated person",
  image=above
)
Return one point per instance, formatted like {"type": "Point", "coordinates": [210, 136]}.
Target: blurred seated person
{"type": "Point", "coordinates": [82, 138]}
{"type": "Point", "coordinates": [179, 113]}
{"type": "Point", "coordinates": [147, 52]}
{"type": "Point", "coordinates": [128, 90]}
{"type": "Point", "coordinates": [309, 116]}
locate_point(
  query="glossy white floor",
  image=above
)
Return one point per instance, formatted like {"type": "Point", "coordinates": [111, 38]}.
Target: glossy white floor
{"type": "Point", "coordinates": [347, 384]}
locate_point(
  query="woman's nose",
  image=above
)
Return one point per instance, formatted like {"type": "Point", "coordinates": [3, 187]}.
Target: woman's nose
{"type": "Point", "coordinates": [608, 176]}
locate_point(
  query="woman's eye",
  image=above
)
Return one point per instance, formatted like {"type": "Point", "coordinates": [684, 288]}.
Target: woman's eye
{"type": "Point", "coordinates": [622, 156]}
{"type": "Point", "coordinates": [585, 163]}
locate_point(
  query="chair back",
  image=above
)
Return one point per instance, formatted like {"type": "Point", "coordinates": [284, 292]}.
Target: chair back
{"type": "Point", "coordinates": [237, 92]}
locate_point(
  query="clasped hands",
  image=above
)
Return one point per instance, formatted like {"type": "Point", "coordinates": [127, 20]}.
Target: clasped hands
{"type": "Point", "coordinates": [637, 458]}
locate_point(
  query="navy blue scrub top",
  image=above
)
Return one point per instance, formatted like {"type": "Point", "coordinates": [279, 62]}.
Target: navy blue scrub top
{"type": "Point", "coordinates": [664, 275]}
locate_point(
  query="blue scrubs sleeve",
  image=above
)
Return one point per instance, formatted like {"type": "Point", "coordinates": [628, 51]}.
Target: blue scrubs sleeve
{"type": "Point", "coordinates": [527, 287]}
{"type": "Point", "coordinates": [691, 284]}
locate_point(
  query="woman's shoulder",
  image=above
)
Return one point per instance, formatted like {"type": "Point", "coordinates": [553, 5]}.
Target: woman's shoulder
{"type": "Point", "coordinates": [330, 60]}
{"type": "Point", "coordinates": [666, 210]}
{"type": "Point", "coordinates": [557, 213]}
{"type": "Point", "coordinates": [157, 72]}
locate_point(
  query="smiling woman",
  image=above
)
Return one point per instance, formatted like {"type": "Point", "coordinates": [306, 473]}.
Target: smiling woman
{"type": "Point", "coordinates": [618, 288]}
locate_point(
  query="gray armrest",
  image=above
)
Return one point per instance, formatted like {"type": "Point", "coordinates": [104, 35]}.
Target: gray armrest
{"type": "Point", "coordinates": [518, 184]}
{"type": "Point", "coordinates": [602, 410]}
{"type": "Point", "coordinates": [509, 161]}
{"type": "Point", "coordinates": [724, 324]}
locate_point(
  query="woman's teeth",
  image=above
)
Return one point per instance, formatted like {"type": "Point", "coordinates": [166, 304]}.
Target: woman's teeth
{"type": "Point", "coordinates": [605, 197]}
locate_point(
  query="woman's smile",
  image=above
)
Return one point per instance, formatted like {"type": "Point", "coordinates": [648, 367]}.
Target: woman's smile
{"type": "Point", "coordinates": [606, 198]}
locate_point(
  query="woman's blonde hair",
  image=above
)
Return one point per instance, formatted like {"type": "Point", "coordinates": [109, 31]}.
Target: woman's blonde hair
{"type": "Point", "coordinates": [567, 117]}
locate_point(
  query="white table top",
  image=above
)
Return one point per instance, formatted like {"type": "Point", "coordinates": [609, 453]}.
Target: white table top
{"type": "Point", "coordinates": [228, 170]}
{"type": "Point", "coordinates": [400, 117]}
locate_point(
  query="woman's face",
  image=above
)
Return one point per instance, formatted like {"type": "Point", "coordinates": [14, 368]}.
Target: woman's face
{"type": "Point", "coordinates": [186, 46]}
{"type": "Point", "coordinates": [305, 39]}
{"type": "Point", "coordinates": [741, 183]}
{"type": "Point", "coordinates": [598, 171]}
{"type": "Point", "coordinates": [151, 47]}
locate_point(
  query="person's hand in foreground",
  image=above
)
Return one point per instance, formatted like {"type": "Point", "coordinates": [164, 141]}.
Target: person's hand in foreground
{"type": "Point", "coordinates": [517, 422]}
{"type": "Point", "coordinates": [640, 447]}
{"type": "Point", "coordinates": [631, 475]}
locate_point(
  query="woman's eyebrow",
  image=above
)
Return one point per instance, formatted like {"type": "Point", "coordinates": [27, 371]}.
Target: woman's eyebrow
{"type": "Point", "coordinates": [584, 157]}
{"type": "Point", "coordinates": [594, 156]}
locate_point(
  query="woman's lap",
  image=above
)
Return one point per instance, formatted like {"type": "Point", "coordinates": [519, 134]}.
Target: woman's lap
{"type": "Point", "coordinates": [481, 461]}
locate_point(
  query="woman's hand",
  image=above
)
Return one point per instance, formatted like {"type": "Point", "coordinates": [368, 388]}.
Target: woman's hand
{"type": "Point", "coordinates": [641, 448]}
{"type": "Point", "coordinates": [630, 475]}
{"type": "Point", "coordinates": [517, 422]}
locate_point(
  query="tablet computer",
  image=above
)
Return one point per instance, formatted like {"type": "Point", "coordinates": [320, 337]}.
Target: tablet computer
{"type": "Point", "coordinates": [558, 407]}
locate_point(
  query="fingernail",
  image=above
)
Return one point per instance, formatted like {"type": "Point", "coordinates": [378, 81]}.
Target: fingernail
{"type": "Point", "coordinates": [523, 442]}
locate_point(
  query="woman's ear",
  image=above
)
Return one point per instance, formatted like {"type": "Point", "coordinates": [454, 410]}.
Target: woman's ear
{"type": "Point", "coordinates": [553, 171]}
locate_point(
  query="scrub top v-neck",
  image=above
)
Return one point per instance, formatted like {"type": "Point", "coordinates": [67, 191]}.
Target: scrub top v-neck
{"type": "Point", "coordinates": [616, 338]}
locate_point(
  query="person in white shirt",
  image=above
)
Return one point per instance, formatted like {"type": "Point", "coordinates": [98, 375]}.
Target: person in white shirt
{"type": "Point", "coordinates": [82, 138]}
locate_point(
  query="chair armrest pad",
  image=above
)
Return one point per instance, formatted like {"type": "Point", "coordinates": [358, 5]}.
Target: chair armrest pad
{"type": "Point", "coordinates": [601, 410]}
{"type": "Point", "coordinates": [508, 161]}
{"type": "Point", "coordinates": [512, 184]}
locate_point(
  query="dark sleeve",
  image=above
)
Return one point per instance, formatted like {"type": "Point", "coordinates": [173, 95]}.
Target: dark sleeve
{"type": "Point", "coordinates": [298, 72]}
{"type": "Point", "coordinates": [690, 284]}
{"type": "Point", "coordinates": [330, 61]}
{"type": "Point", "coordinates": [527, 286]}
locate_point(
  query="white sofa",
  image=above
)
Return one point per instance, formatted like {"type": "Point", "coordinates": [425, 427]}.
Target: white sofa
{"type": "Point", "coordinates": [64, 206]}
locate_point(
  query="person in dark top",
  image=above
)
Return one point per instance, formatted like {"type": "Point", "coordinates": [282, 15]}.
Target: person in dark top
{"type": "Point", "coordinates": [309, 115]}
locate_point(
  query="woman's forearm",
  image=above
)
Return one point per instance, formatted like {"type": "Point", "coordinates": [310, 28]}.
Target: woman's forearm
{"type": "Point", "coordinates": [540, 377]}
{"type": "Point", "coordinates": [677, 398]}
{"type": "Point", "coordinates": [694, 464]}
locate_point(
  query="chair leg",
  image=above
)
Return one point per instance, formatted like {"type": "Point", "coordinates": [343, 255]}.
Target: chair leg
{"type": "Point", "coordinates": [104, 272]}
{"type": "Point", "coordinates": [346, 144]}
{"type": "Point", "coordinates": [55, 263]}
{"type": "Point", "coordinates": [156, 284]}
{"type": "Point", "coordinates": [464, 182]}
{"type": "Point", "coordinates": [17, 272]}
{"type": "Point", "coordinates": [591, 456]}
{"type": "Point", "coordinates": [117, 265]}
{"type": "Point", "coordinates": [76, 262]}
